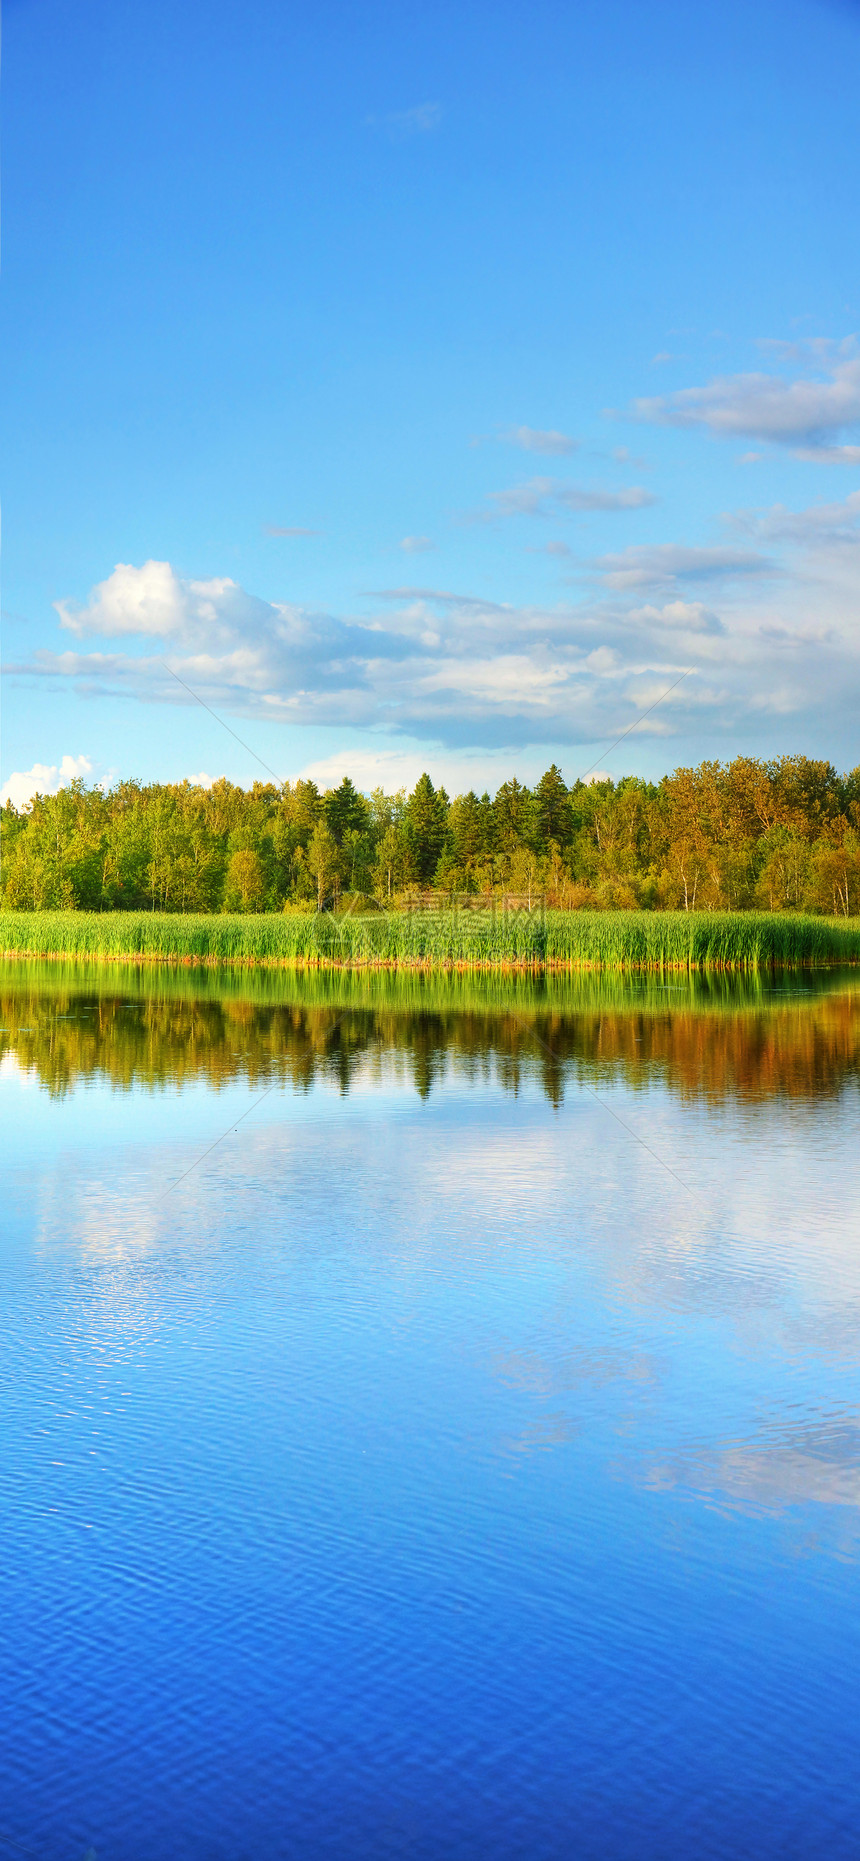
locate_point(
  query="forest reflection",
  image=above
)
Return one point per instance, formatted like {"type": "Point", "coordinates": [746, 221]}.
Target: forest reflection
{"type": "Point", "coordinates": [796, 1034]}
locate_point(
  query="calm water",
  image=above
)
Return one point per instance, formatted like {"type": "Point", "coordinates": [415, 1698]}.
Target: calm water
{"type": "Point", "coordinates": [431, 1417]}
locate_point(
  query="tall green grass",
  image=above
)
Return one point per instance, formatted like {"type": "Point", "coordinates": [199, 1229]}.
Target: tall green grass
{"type": "Point", "coordinates": [671, 940]}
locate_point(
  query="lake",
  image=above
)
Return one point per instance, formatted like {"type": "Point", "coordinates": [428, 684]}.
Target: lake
{"type": "Point", "coordinates": [431, 1415]}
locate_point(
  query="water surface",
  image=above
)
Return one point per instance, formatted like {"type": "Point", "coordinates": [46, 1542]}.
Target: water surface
{"type": "Point", "coordinates": [431, 1415]}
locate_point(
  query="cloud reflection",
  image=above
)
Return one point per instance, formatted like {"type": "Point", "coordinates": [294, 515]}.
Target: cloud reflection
{"type": "Point", "coordinates": [815, 1463]}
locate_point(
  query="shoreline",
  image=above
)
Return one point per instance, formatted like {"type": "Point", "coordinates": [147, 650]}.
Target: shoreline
{"type": "Point", "coordinates": [355, 965]}
{"type": "Point", "coordinates": [539, 943]}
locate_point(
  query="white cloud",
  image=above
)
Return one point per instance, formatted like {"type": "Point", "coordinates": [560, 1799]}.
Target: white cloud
{"type": "Point", "coordinates": [663, 564]}
{"type": "Point", "coordinates": [371, 768]}
{"type": "Point", "coordinates": [679, 616]}
{"type": "Point", "coordinates": [43, 779]}
{"type": "Point", "coordinates": [603, 659]}
{"type": "Point", "coordinates": [542, 497]}
{"type": "Point", "coordinates": [777, 638]}
{"type": "Point", "coordinates": [630, 497]}
{"type": "Point", "coordinates": [538, 439]}
{"type": "Point", "coordinates": [829, 455]}
{"type": "Point", "coordinates": [149, 601]}
{"type": "Point", "coordinates": [838, 521]}
{"type": "Point", "coordinates": [417, 545]}
{"type": "Point", "coordinates": [820, 349]}
{"type": "Point", "coordinates": [807, 413]}
{"type": "Point", "coordinates": [417, 121]}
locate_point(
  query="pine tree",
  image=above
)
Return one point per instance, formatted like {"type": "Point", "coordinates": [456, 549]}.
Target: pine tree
{"type": "Point", "coordinates": [427, 818]}
{"type": "Point", "coordinates": [346, 811]}
{"type": "Point", "coordinates": [552, 807]}
{"type": "Point", "coordinates": [513, 812]}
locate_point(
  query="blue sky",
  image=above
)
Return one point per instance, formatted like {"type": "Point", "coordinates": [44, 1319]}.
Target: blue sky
{"type": "Point", "coordinates": [429, 387]}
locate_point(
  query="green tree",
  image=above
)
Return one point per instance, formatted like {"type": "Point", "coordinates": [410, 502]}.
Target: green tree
{"type": "Point", "coordinates": [552, 808]}
{"type": "Point", "coordinates": [323, 861]}
{"type": "Point", "coordinates": [513, 817]}
{"type": "Point", "coordinates": [246, 885]}
{"type": "Point", "coordinates": [346, 811]}
{"type": "Point", "coordinates": [783, 834]}
{"type": "Point", "coordinates": [386, 810]}
{"type": "Point", "coordinates": [836, 865]}
{"type": "Point", "coordinates": [688, 847]}
{"type": "Point", "coordinates": [394, 867]}
{"type": "Point", "coordinates": [357, 859]}
{"type": "Point", "coordinates": [526, 874]}
{"type": "Point", "coordinates": [471, 830]}
{"type": "Point", "coordinates": [785, 870]}
{"type": "Point", "coordinates": [427, 822]}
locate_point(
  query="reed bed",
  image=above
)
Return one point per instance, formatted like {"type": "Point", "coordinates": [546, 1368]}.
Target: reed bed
{"type": "Point", "coordinates": [552, 940]}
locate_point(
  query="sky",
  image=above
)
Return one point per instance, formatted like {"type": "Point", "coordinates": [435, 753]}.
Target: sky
{"type": "Point", "coordinates": [453, 387]}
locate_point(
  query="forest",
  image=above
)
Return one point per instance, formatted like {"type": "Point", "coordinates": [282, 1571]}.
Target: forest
{"type": "Point", "coordinates": [780, 835]}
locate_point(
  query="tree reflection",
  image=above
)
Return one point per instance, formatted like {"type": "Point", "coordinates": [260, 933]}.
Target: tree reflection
{"type": "Point", "coordinates": [150, 1028]}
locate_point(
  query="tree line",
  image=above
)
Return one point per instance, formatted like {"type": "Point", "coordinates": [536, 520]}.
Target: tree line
{"type": "Point", "coordinates": [779, 835]}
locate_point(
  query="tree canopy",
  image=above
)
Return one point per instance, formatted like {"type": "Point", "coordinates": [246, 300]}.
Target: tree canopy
{"type": "Point", "coordinates": [778, 835]}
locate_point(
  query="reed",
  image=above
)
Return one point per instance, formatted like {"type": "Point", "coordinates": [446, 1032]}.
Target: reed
{"type": "Point", "coordinates": [552, 940]}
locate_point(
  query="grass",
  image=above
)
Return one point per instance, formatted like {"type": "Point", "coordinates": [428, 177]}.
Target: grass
{"type": "Point", "coordinates": [554, 940]}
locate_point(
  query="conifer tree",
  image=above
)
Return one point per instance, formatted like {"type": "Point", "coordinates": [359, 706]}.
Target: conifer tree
{"type": "Point", "coordinates": [427, 819]}
{"type": "Point", "coordinates": [552, 808]}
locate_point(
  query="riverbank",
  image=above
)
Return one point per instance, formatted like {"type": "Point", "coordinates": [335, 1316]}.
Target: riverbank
{"type": "Point", "coordinates": [537, 941]}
